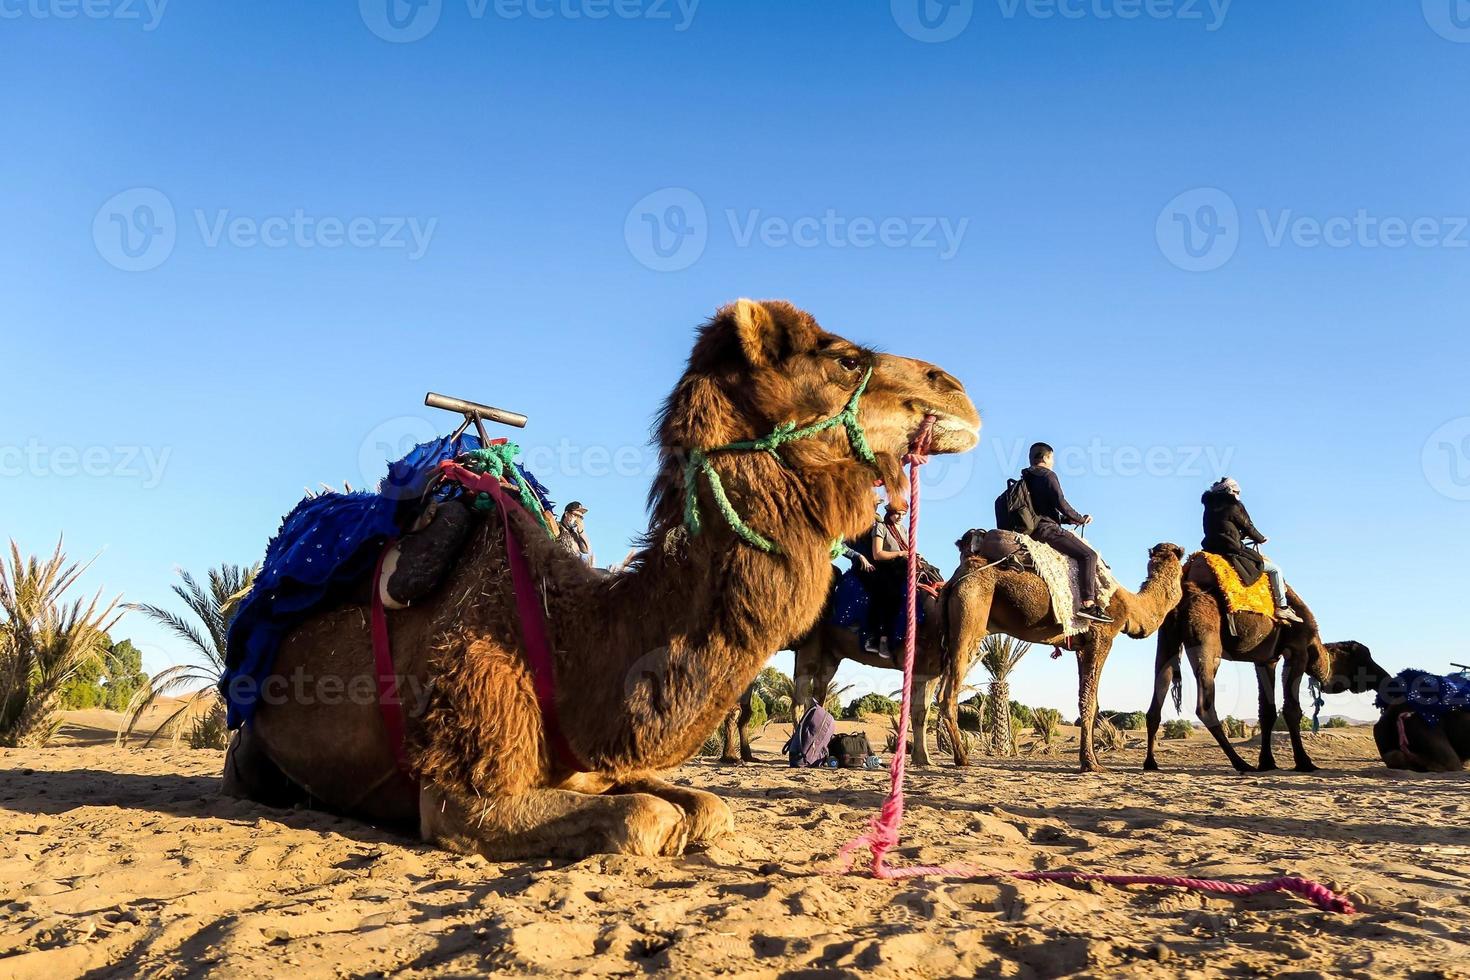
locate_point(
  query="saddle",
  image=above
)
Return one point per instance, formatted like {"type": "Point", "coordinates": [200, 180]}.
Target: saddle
{"type": "Point", "coordinates": [1215, 575]}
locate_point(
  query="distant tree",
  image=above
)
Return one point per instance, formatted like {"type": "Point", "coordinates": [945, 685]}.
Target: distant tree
{"type": "Point", "coordinates": [200, 715]}
{"type": "Point", "coordinates": [123, 675]}
{"type": "Point", "coordinates": [1126, 721]}
{"type": "Point", "coordinates": [999, 655]}
{"type": "Point", "coordinates": [1338, 722]}
{"type": "Point", "coordinates": [870, 704]}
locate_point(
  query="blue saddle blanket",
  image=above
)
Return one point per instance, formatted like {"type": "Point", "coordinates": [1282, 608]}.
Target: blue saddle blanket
{"type": "Point", "coordinates": [1431, 696]}
{"type": "Point", "coordinates": [327, 544]}
{"type": "Point", "coordinates": [851, 603]}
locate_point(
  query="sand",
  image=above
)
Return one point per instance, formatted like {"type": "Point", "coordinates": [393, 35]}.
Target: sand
{"type": "Point", "coordinates": [128, 863]}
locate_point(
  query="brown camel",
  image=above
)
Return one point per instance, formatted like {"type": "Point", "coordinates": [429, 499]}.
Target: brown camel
{"type": "Point", "coordinates": [818, 655]}
{"type": "Point", "coordinates": [993, 600]}
{"type": "Point", "coordinates": [1201, 627]}
{"type": "Point", "coordinates": [646, 662]}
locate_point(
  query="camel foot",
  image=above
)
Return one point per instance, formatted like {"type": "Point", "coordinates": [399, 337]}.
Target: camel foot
{"type": "Point", "coordinates": [1306, 767]}
{"type": "Point", "coordinates": [1092, 767]}
{"type": "Point", "coordinates": [1266, 766]}
{"type": "Point", "coordinates": [747, 757]}
{"type": "Point", "coordinates": [1149, 765]}
{"type": "Point", "coordinates": [731, 760]}
{"type": "Point", "coordinates": [705, 816]}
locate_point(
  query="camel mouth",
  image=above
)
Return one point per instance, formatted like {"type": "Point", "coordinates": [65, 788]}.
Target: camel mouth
{"type": "Point", "coordinates": [953, 434]}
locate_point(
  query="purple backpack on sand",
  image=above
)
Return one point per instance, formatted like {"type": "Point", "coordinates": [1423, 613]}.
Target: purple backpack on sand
{"type": "Point", "coordinates": [807, 747]}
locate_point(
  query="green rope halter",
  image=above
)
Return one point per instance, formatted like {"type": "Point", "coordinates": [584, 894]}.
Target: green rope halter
{"type": "Point", "coordinates": [699, 462]}
{"type": "Point", "coordinates": [499, 461]}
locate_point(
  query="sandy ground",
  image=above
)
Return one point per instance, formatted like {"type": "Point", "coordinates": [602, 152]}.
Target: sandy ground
{"type": "Point", "coordinates": [128, 863]}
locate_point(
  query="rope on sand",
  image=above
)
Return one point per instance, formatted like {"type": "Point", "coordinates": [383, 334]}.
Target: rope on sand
{"type": "Point", "coordinates": [882, 835]}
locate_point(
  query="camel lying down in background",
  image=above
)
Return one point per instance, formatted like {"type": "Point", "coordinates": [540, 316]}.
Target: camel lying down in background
{"type": "Point", "coordinates": [646, 662]}
{"type": "Point", "coordinates": [1425, 724]}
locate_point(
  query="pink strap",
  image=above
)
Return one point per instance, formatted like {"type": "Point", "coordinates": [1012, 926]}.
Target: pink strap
{"type": "Point", "coordinates": [390, 706]}
{"type": "Point", "coordinates": [533, 622]}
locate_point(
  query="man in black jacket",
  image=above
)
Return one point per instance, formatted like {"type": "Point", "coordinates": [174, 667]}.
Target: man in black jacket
{"type": "Point", "coordinates": [1053, 510]}
{"type": "Point", "coordinates": [1227, 529]}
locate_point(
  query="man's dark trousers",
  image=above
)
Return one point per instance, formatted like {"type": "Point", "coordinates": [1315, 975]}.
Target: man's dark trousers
{"type": "Point", "coordinates": [1049, 532]}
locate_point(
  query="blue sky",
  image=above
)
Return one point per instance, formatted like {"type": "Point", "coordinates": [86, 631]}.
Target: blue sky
{"type": "Point", "coordinates": [1174, 239]}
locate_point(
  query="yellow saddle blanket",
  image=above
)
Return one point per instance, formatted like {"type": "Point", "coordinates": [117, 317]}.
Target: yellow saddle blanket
{"type": "Point", "coordinates": [1238, 597]}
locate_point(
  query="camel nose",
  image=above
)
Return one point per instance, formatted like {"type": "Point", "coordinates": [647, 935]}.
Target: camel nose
{"type": "Point", "coordinates": [943, 381]}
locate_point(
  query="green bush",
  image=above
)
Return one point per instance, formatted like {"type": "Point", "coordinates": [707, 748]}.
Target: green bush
{"type": "Point", "coordinates": [1235, 728]}
{"type": "Point", "coordinates": [871, 704]}
{"type": "Point", "coordinates": [1126, 721]}
{"type": "Point", "coordinates": [758, 713]}
{"type": "Point", "coordinates": [1338, 722]}
{"type": "Point", "coordinates": [1178, 728]}
{"type": "Point", "coordinates": [1022, 714]}
{"type": "Point", "coordinates": [715, 744]}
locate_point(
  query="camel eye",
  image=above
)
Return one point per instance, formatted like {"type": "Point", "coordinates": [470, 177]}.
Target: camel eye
{"type": "Point", "coordinates": [849, 363]}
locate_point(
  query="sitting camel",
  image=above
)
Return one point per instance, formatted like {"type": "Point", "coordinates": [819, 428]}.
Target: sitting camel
{"type": "Point", "coordinates": [1199, 626]}
{"type": "Point", "coordinates": [985, 600]}
{"type": "Point", "coordinates": [645, 662]}
{"type": "Point", "coordinates": [1425, 726]}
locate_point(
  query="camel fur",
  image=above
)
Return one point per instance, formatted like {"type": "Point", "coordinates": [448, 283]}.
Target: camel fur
{"type": "Point", "coordinates": [647, 661]}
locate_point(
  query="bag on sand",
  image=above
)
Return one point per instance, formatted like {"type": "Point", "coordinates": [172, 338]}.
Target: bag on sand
{"type": "Point", "coordinates": [807, 746]}
{"type": "Point", "coordinates": [851, 751]}
{"type": "Point", "coordinates": [1014, 510]}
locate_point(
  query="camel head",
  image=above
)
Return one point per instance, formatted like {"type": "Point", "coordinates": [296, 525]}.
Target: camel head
{"type": "Point", "coordinates": [759, 365]}
{"type": "Point", "coordinates": [1346, 667]}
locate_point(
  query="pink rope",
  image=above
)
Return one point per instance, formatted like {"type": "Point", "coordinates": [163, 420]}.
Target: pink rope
{"type": "Point", "coordinates": [882, 835]}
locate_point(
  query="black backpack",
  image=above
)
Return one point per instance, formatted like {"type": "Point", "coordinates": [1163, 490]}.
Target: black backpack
{"type": "Point", "coordinates": [1014, 510]}
{"type": "Point", "coordinates": [851, 751]}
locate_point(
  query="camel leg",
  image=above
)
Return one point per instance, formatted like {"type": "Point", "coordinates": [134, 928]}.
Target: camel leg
{"type": "Point", "coordinates": [968, 623]}
{"type": "Point", "coordinates": [732, 737]}
{"type": "Point", "coordinates": [812, 676]}
{"type": "Point", "coordinates": [743, 724]}
{"type": "Point", "coordinates": [1204, 659]}
{"type": "Point", "coordinates": [552, 823]}
{"type": "Point", "coordinates": [1090, 660]}
{"type": "Point", "coordinates": [737, 730]}
{"type": "Point", "coordinates": [1291, 695]}
{"type": "Point", "coordinates": [707, 816]}
{"type": "Point", "coordinates": [923, 693]}
{"type": "Point", "coordinates": [1266, 690]}
{"type": "Point", "coordinates": [1166, 664]}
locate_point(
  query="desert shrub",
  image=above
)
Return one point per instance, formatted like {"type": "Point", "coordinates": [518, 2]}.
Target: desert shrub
{"type": "Point", "coordinates": [1022, 714]}
{"type": "Point", "coordinates": [942, 738]}
{"type": "Point", "coordinates": [1338, 722]}
{"type": "Point", "coordinates": [1235, 728]}
{"type": "Point", "coordinates": [1126, 721]}
{"type": "Point", "coordinates": [870, 704]}
{"type": "Point", "coordinates": [779, 709]}
{"type": "Point", "coordinates": [1178, 728]}
{"type": "Point", "coordinates": [1046, 722]}
{"type": "Point", "coordinates": [208, 731]}
{"type": "Point", "coordinates": [715, 744]}
{"type": "Point", "coordinates": [1107, 736]}
{"type": "Point", "coordinates": [970, 718]}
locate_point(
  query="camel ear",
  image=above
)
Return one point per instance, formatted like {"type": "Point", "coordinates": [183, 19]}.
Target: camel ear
{"type": "Point", "coordinates": [770, 332]}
